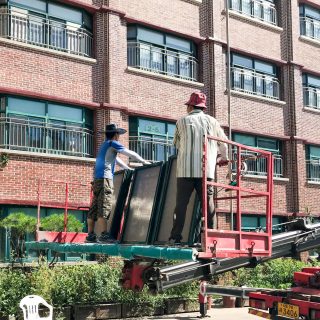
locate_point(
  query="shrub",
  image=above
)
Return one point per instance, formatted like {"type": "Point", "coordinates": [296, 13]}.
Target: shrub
{"type": "Point", "coordinates": [20, 222]}
{"type": "Point", "coordinates": [55, 222]}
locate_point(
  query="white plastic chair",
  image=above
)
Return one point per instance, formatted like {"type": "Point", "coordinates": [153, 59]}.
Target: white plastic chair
{"type": "Point", "coordinates": [30, 308]}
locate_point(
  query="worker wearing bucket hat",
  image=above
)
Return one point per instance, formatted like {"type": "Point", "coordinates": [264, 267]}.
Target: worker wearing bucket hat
{"type": "Point", "coordinates": [106, 160]}
{"type": "Point", "coordinates": [188, 139]}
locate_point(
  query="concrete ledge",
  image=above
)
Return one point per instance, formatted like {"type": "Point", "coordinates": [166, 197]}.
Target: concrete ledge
{"type": "Point", "coordinates": [252, 176]}
{"type": "Point", "coordinates": [309, 41]}
{"type": "Point", "coordinates": [256, 97]}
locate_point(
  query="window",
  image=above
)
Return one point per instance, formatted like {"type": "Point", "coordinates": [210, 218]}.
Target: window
{"type": "Point", "coordinates": [310, 22]}
{"type": "Point", "coordinates": [258, 166]}
{"type": "Point", "coordinates": [252, 223]}
{"type": "Point", "coordinates": [264, 10]}
{"type": "Point", "coordinates": [254, 76]}
{"type": "Point", "coordinates": [311, 88]}
{"type": "Point", "coordinates": [151, 139]}
{"type": "Point", "coordinates": [47, 24]}
{"type": "Point", "coordinates": [41, 126]}
{"type": "Point", "coordinates": [313, 163]}
{"type": "Point", "coordinates": [162, 53]}
{"type": "Point", "coordinates": [7, 246]}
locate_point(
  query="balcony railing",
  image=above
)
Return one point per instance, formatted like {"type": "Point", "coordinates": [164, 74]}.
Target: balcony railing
{"type": "Point", "coordinates": [311, 97]}
{"type": "Point", "coordinates": [313, 170]}
{"type": "Point", "coordinates": [35, 136]}
{"type": "Point", "coordinates": [310, 28]}
{"type": "Point", "coordinates": [162, 61]}
{"type": "Point", "coordinates": [251, 82]}
{"type": "Point", "coordinates": [47, 33]}
{"type": "Point", "coordinates": [262, 10]}
{"type": "Point", "coordinates": [152, 149]}
{"type": "Point", "coordinates": [258, 166]}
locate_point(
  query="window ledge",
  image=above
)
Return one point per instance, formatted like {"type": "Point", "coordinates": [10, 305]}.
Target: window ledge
{"type": "Point", "coordinates": [254, 21]}
{"type": "Point", "coordinates": [164, 77]}
{"type": "Point", "coordinates": [310, 109]}
{"type": "Point", "coordinates": [256, 97]}
{"type": "Point", "coordinates": [309, 40]}
{"type": "Point", "coordinates": [47, 155]}
{"type": "Point", "coordinates": [197, 2]}
{"type": "Point", "coordinates": [313, 183]}
{"type": "Point", "coordinates": [252, 176]}
{"type": "Point", "coordinates": [49, 51]}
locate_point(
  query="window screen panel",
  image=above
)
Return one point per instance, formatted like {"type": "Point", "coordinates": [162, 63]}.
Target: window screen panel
{"type": "Point", "coordinates": [165, 221]}
{"type": "Point", "coordinates": [143, 197]}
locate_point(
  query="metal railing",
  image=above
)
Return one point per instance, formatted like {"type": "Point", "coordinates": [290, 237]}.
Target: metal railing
{"type": "Point", "coordinates": [159, 60]}
{"type": "Point", "coordinates": [251, 82]}
{"type": "Point", "coordinates": [35, 136]}
{"type": "Point", "coordinates": [310, 28]}
{"type": "Point", "coordinates": [258, 165]}
{"type": "Point", "coordinates": [313, 170]}
{"type": "Point", "coordinates": [43, 32]}
{"type": "Point", "coordinates": [262, 10]}
{"type": "Point", "coordinates": [152, 149]}
{"type": "Point", "coordinates": [311, 97]}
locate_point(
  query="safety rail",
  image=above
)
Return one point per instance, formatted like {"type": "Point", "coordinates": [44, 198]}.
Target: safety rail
{"type": "Point", "coordinates": [237, 243]}
{"type": "Point", "coordinates": [311, 97]}
{"type": "Point", "coordinates": [48, 33]}
{"type": "Point", "coordinates": [310, 28]}
{"type": "Point", "coordinates": [313, 170]}
{"type": "Point", "coordinates": [64, 190]}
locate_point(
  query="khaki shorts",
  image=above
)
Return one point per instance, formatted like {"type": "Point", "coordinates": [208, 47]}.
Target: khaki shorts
{"type": "Point", "coordinates": [102, 199]}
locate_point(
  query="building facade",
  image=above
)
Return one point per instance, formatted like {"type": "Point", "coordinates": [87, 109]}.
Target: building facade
{"type": "Point", "coordinates": [69, 67]}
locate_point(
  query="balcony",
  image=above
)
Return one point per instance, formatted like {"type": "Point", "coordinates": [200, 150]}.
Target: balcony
{"type": "Point", "coordinates": [152, 149]}
{"type": "Point", "coordinates": [46, 33]}
{"type": "Point", "coordinates": [162, 61]}
{"type": "Point", "coordinates": [36, 136]}
{"type": "Point", "coordinates": [313, 170]}
{"type": "Point", "coordinates": [261, 10]}
{"type": "Point", "coordinates": [251, 82]}
{"type": "Point", "coordinates": [310, 28]}
{"type": "Point", "coordinates": [311, 97]}
{"type": "Point", "coordinates": [258, 166]}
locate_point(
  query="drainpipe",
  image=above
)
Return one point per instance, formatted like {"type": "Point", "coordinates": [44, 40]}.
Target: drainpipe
{"type": "Point", "coordinates": [228, 80]}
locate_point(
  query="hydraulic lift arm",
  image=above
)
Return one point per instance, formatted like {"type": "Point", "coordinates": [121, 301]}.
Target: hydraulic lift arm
{"type": "Point", "coordinates": [302, 237]}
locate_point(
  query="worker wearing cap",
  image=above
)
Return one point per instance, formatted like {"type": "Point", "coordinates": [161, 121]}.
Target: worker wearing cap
{"type": "Point", "coordinates": [188, 140]}
{"type": "Point", "coordinates": [103, 181]}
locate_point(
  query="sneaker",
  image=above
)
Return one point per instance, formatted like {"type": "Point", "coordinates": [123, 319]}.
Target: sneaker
{"type": "Point", "coordinates": [174, 242]}
{"type": "Point", "coordinates": [106, 238]}
{"type": "Point", "coordinates": [91, 237]}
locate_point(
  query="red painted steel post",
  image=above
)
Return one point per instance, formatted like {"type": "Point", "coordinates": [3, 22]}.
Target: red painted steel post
{"type": "Point", "coordinates": [66, 209]}
{"type": "Point", "coordinates": [204, 196]}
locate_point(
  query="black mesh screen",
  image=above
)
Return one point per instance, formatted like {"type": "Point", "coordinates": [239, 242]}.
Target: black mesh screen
{"type": "Point", "coordinates": [142, 201]}
{"type": "Point", "coordinates": [165, 219]}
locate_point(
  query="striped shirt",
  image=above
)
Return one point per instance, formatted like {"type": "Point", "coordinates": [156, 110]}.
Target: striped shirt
{"type": "Point", "coordinates": [188, 139]}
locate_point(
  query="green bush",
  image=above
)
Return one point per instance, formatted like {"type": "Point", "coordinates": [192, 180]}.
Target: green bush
{"type": "Point", "coordinates": [14, 285]}
{"type": "Point", "coordinates": [20, 222]}
{"type": "Point", "coordinates": [55, 222]}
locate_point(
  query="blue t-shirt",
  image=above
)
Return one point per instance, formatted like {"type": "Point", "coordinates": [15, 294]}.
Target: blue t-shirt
{"type": "Point", "coordinates": [106, 159]}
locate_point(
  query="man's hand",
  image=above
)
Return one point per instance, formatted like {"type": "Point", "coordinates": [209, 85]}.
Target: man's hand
{"type": "Point", "coordinates": [146, 162]}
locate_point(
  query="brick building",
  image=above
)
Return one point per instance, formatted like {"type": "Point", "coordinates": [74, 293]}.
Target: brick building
{"type": "Point", "coordinates": [69, 67]}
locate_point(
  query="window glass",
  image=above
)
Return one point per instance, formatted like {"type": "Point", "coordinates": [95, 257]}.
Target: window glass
{"type": "Point", "coordinates": [87, 20]}
{"type": "Point", "coordinates": [153, 127]}
{"type": "Point", "coordinates": [39, 5]}
{"type": "Point", "coordinates": [313, 81]}
{"type": "Point", "coordinates": [150, 36]}
{"type": "Point", "coordinates": [314, 152]}
{"type": "Point", "coordinates": [26, 106]}
{"type": "Point", "coordinates": [62, 12]}
{"type": "Point", "coordinates": [245, 139]}
{"type": "Point", "coordinates": [268, 144]}
{"type": "Point", "coordinates": [62, 112]}
{"type": "Point", "coordinates": [312, 13]}
{"type": "Point", "coordinates": [242, 61]}
{"type": "Point", "coordinates": [263, 67]}
{"type": "Point", "coordinates": [178, 43]}
{"type": "Point", "coordinates": [171, 129]}
{"type": "Point", "coordinates": [132, 32]}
